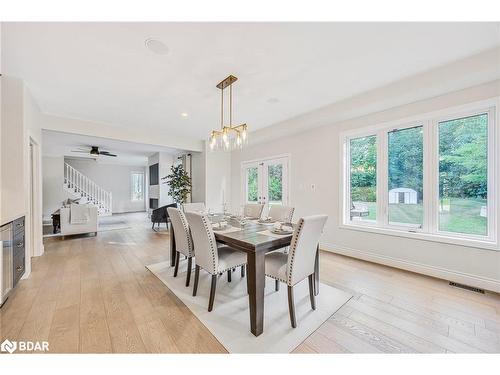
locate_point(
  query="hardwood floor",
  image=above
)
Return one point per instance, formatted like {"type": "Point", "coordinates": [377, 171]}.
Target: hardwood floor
{"type": "Point", "coordinates": [94, 295]}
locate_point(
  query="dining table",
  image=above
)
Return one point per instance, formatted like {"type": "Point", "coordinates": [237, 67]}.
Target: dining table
{"type": "Point", "coordinates": [255, 239]}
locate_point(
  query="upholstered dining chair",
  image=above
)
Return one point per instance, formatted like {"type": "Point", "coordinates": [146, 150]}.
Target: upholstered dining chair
{"type": "Point", "coordinates": [183, 240]}
{"type": "Point", "coordinates": [212, 258]}
{"type": "Point", "coordinates": [194, 207]}
{"type": "Point", "coordinates": [281, 213]}
{"type": "Point", "coordinates": [253, 210]}
{"type": "Point", "coordinates": [298, 264]}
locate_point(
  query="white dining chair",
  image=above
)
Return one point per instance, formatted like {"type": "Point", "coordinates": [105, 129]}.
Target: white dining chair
{"type": "Point", "coordinates": [253, 210]}
{"type": "Point", "coordinates": [213, 258]}
{"type": "Point", "coordinates": [281, 213]}
{"type": "Point", "coordinates": [183, 240]}
{"type": "Point", "coordinates": [298, 264]}
{"type": "Point", "coordinates": [194, 207]}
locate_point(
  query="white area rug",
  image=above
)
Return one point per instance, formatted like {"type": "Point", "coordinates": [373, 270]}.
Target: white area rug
{"type": "Point", "coordinates": [229, 321]}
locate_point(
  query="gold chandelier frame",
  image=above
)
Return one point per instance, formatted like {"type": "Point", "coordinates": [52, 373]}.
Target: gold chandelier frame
{"type": "Point", "coordinates": [228, 133]}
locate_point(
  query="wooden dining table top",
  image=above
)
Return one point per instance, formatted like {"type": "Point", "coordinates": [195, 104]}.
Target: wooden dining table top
{"type": "Point", "coordinates": [249, 238]}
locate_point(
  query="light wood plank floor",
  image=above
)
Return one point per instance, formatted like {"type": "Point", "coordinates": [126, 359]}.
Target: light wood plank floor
{"type": "Point", "coordinates": [94, 295]}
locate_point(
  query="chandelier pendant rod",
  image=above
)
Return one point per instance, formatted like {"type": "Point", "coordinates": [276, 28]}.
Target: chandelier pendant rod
{"type": "Point", "coordinates": [230, 106]}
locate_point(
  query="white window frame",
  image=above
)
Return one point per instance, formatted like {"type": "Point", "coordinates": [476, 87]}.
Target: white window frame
{"type": "Point", "coordinates": [132, 199]}
{"type": "Point", "coordinates": [430, 123]}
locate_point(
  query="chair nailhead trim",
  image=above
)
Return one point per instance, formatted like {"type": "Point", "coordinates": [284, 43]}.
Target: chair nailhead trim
{"type": "Point", "coordinates": [291, 254]}
{"type": "Point", "coordinates": [210, 240]}
{"type": "Point", "coordinates": [187, 232]}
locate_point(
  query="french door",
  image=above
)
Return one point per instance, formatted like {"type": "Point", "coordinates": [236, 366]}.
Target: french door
{"type": "Point", "coordinates": [266, 181]}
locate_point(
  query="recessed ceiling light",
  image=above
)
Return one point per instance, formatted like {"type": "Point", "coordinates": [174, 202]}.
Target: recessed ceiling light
{"type": "Point", "coordinates": [156, 46]}
{"type": "Point", "coordinates": [184, 114]}
{"type": "Point", "coordinates": [273, 100]}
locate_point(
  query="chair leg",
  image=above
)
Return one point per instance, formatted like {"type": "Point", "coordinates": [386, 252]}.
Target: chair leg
{"type": "Point", "coordinates": [311, 291]}
{"type": "Point", "coordinates": [196, 278]}
{"type": "Point", "coordinates": [229, 275]}
{"type": "Point", "coordinates": [291, 307]}
{"type": "Point", "coordinates": [190, 265]}
{"type": "Point", "coordinates": [212, 293]}
{"type": "Point", "coordinates": [177, 256]}
{"type": "Point", "coordinates": [276, 285]}
{"type": "Point", "coordinates": [243, 271]}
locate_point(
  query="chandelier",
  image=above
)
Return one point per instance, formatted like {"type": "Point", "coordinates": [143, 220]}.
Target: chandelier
{"type": "Point", "coordinates": [229, 137]}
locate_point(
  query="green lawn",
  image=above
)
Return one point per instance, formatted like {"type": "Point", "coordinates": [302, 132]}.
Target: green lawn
{"type": "Point", "coordinates": [457, 215]}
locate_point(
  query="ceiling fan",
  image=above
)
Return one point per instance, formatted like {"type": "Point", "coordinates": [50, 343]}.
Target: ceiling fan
{"type": "Point", "coordinates": [94, 151]}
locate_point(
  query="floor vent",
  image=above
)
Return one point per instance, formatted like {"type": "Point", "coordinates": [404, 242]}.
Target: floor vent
{"type": "Point", "coordinates": [466, 287]}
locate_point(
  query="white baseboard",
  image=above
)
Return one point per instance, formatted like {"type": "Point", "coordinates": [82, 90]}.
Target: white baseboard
{"type": "Point", "coordinates": [438, 272]}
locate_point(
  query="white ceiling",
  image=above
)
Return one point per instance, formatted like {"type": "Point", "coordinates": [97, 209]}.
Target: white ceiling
{"type": "Point", "coordinates": [128, 153]}
{"type": "Point", "coordinates": [103, 72]}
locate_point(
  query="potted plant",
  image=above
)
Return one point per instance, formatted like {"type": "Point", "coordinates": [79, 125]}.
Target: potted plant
{"type": "Point", "coordinates": [179, 184]}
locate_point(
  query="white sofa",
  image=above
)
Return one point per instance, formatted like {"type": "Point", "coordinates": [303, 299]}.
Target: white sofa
{"type": "Point", "coordinates": [89, 227]}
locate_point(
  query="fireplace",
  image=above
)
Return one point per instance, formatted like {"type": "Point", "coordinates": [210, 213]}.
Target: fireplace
{"type": "Point", "coordinates": [153, 203]}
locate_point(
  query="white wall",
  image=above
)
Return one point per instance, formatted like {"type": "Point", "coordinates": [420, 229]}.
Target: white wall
{"type": "Point", "coordinates": [20, 123]}
{"type": "Point", "coordinates": [113, 178]}
{"type": "Point", "coordinates": [198, 177]}
{"type": "Point", "coordinates": [315, 159]}
{"type": "Point", "coordinates": [13, 153]}
{"type": "Point", "coordinates": [218, 180]}
{"type": "Point", "coordinates": [53, 179]}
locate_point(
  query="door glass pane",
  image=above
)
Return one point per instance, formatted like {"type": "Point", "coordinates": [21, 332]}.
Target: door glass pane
{"type": "Point", "coordinates": [406, 156]}
{"type": "Point", "coordinates": [275, 184]}
{"type": "Point", "coordinates": [463, 175]}
{"type": "Point", "coordinates": [252, 184]}
{"type": "Point", "coordinates": [363, 168]}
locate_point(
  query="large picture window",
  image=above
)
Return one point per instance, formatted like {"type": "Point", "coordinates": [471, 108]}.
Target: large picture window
{"type": "Point", "coordinates": [432, 176]}
{"type": "Point", "coordinates": [363, 178]}
{"type": "Point", "coordinates": [406, 176]}
{"type": "Point", "coordinates": [463, 175]}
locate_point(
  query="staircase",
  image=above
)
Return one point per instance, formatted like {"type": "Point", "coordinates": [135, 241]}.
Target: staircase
{"type": "Point", "coordinates": [80, 186]}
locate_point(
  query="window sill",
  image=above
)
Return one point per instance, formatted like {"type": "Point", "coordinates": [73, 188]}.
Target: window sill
{"type": "Point", "coordinates": [467, 242]}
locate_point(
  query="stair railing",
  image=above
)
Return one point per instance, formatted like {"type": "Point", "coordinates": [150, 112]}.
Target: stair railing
{"type": "Point", "coordinates": [79, 183]}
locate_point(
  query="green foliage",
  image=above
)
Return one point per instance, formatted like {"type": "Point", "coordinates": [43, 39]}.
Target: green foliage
{"type": "Point", "coordinates": [179, 184]}
{"type": "Point", "coordinates": [406, 155]}
{"type": "Point", "coordinates": [363, 169]}
{"type": "Point", "coordinates": [364, 194]}
{"type": "Point", "coordinates": [275, 182]}
{"type": "Point", "coordinates": [463, 145]}
{"type": "Point", "coordinates": [252, 184]}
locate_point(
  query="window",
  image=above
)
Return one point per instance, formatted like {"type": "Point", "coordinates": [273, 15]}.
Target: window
{"type": "Point", "coordinates": [363, 181]}
{"type": "Point", "coordinates": [265, 181]}
{"type": "Point", "coordinates": [432, 177]}
{"type": "Point", "coordinates": [137, 188]}
{"type": "Point", "coordinates": [406, 176]}
{"type": "Point", "coordinates": [275, 183]}
{"type": "Point", "coordinates": [252, 184]}
{"type": "Point", "coordinates": [463, 175]}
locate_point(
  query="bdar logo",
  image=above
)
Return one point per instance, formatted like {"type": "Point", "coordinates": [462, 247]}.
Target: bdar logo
{"type": "Point", "coordinates": [8, 346]}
